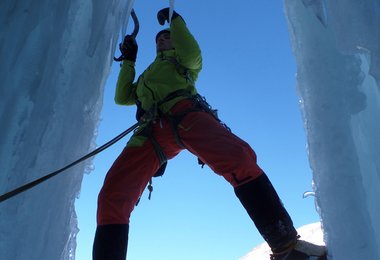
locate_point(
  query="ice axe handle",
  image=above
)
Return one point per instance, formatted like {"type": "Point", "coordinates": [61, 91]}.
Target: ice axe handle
{"type": "Point", "coordinates": [134, 33]}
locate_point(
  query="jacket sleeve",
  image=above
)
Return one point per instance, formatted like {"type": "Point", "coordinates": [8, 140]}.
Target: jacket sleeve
{"type": "Point", "coordinates": [125, 88]}
{"type": "Point", "coordinates": [185, 45]}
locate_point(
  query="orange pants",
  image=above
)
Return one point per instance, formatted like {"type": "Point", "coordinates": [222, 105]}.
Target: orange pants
{"type": "Point", "coordinates": [225, 153]}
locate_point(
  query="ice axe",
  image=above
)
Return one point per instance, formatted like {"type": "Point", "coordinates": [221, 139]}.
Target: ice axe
{"type": "Point", "coordinates": [134, 33]}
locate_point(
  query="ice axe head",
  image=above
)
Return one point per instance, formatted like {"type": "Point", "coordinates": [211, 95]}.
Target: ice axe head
{"type": "Point", "coordinates": [134, 33]}
{"type": "Point", "coordinates": [136, 23]}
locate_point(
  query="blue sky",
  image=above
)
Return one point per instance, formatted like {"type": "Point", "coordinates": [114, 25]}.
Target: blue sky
{"type": "Point", "coordinates": [249, 76]}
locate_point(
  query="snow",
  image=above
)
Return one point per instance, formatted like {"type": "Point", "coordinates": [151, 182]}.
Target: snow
{"type": "Point", "coordinates": [311, 233]}
{"type": "Point", "coordinates": [56, 56]}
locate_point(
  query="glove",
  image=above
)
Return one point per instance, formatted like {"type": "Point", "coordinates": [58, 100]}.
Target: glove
{"type": "Point", "coordinates": [163, 15]}
{"type": "Point", "coordinates": [129, 48]}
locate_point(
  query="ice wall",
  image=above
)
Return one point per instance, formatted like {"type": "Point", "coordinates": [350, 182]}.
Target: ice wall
{"type": "Point", "coordinates": [55, 57]}
{"type": "Point", "coordinates": [337, 50]}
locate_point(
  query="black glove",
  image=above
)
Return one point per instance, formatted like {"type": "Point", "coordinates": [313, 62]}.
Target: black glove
{"type": "Point", "coordinates": [163, 15]}
{"type": "Point", "coordinates": [129, 48]}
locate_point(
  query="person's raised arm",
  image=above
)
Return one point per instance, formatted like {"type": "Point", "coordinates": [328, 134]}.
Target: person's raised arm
{"type": "Point", "coordinates": [125, 93]}
{"type": "Point", "coordinates": [186, 46]}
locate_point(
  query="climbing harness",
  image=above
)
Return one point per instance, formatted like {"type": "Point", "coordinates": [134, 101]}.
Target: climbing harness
{"type": "Point", "coordinates": [30, 185]}
{"type": "Point", "coordinates": [199, 104]}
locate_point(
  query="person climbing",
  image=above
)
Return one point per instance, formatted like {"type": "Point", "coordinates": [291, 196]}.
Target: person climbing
{"type": "Point", "coordinates": [174, 117]}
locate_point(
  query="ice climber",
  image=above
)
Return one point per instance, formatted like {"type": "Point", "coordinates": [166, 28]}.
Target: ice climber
{"type": "Point", "coordinates": [173, 117]}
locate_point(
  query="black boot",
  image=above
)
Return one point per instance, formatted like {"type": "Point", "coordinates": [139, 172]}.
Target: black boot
{"type": "Point", "coordinates": [264, 207]}
{"type": "Point", "coordinates": [302, 250]}
{"type": "Point", "coordinates": [111, 242]}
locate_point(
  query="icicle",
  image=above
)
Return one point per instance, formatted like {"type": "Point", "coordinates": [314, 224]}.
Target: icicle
{"type": "Point", "coordinates": [319, 8]}
{"type": "Point", "coordinates": [171, 5]}
{"type": "Point", "coordinates": [308, 194]}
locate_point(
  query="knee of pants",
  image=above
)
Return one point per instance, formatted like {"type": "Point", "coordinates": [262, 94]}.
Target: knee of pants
{"type": "Point", "coordinates": [124, 184]}
{"type": "Point", "coordinates": [116, 208]}
{"type": "Point", "coordinates": [242, 167]}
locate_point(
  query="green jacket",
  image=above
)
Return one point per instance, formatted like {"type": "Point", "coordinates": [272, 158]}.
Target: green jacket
{"type": "Point", "coordinates": [162, 77]}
